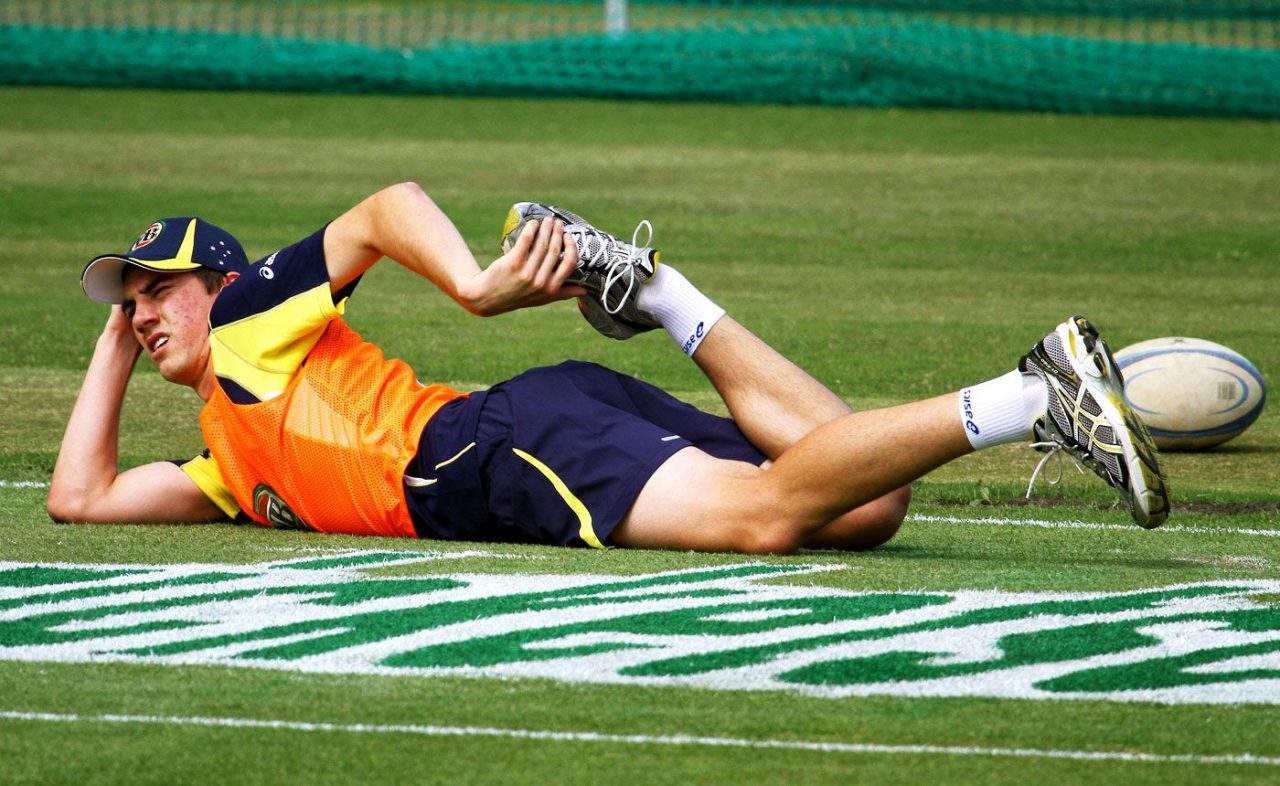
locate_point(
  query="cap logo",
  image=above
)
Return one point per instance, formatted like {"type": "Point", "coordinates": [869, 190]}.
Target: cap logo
{"type": "Point", "coordinates": [148, 236]}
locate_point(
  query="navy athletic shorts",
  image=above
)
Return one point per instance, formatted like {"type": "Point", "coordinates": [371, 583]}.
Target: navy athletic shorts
{"type": "Point", "coordinates": [556, 455]}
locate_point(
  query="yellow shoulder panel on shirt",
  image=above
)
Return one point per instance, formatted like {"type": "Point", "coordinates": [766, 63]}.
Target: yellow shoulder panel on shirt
{"type": "Point", "coordinates": [262, 352]}
{"type": "Point", "coordinates": [204, 471]}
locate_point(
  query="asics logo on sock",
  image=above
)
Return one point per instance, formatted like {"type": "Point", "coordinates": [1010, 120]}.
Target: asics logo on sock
{"type": "Point", "coordinates": [966, 403]}
{"type": "Point", "coordinates": [694, 338]}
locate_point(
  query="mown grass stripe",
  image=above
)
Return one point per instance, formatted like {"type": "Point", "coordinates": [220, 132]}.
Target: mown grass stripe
{"type": "Point", "coordinates": [645, 739]}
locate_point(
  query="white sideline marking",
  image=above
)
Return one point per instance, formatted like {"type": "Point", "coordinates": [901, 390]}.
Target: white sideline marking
{"type": "Point", "coordinates": [1047, 524]}
{"type": "Point", "coordinates": [24, 484]}
{"type": "Point", "coordinates": [644, 739]}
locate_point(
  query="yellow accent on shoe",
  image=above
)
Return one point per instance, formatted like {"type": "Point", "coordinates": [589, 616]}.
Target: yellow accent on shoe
{"type": "Point", "coordinates": [509, 226]}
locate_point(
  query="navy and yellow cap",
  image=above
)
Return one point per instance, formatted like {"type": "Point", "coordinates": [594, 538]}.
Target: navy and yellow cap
{"type": "Point", "coordinates": [170, 245]}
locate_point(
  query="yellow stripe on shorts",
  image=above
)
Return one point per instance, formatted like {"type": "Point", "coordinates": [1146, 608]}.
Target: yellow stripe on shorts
{"type": "Point", "coordinates": [585, 531]}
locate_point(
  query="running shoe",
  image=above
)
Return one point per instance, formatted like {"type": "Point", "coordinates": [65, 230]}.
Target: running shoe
{"type": "Point", "coordinates": [1089, 419]}
{"type": "Point", "coordinates": [609, 268]}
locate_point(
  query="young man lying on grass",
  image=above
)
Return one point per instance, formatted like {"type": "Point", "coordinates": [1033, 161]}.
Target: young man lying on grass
{"type": "Point", "coordinates": [309, 427]}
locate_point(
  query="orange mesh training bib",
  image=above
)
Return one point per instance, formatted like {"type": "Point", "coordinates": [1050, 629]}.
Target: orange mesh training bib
{"type": "Point", "coordinates": [329, 453]}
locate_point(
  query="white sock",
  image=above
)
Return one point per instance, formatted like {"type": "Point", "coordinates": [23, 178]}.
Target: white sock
{"type": "Point", "coordinates": [685, 313]}
{"type": "Point", "coordinates": [1002, 410]}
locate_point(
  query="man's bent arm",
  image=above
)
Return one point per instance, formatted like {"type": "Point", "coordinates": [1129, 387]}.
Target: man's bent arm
{"type": "Point", "coordinates": [403, 223]}
{"type": "Point", "coordinates": [86, 484]}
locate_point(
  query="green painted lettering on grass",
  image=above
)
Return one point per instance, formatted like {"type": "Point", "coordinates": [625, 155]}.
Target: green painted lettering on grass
{"type": "Point", "coordinates": [721, 627]}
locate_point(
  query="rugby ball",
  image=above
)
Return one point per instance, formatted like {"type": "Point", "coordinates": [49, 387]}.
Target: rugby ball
{"type": "Point", "coordinates": [1191, 393]}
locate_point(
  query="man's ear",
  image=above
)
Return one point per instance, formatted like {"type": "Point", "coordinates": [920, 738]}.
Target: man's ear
{"type": "Point", "coordinates": [232, 276]}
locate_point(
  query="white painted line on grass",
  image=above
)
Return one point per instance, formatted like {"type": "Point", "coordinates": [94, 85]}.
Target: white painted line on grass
{"type": "Point", "coordinates": [644, 739]}
{"type": "Point", "coordinates": [679, 740]}
{"type": "Point", "coordinates": [24, 484]}
{"type": "Point", "coordinates": [1047, 524]}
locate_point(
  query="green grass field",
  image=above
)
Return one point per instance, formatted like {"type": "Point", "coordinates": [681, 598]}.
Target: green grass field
{"type": "Point", "coordinates": [893, 254]}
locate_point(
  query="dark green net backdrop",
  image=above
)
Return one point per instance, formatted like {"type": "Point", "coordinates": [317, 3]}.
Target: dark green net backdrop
{"type": "Point", "coordinates": [1173, 57]}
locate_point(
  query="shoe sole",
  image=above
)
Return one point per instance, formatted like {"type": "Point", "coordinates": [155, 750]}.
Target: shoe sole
{"type": "Point", "coordinates": [612, 326]}
{"type": "Point", "coordinates": [1096, 368]}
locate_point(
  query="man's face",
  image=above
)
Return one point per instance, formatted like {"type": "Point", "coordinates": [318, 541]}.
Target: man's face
{"type": "Point", "coordinates": [170, 317]}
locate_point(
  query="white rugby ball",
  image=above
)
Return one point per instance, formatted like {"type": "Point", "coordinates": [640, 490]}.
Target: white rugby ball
{"type": "Point", "coordinates": [1191, 393]}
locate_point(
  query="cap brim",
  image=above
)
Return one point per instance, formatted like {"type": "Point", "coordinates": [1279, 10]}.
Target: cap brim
{"type": "Point", "coordinates": [103, 277]}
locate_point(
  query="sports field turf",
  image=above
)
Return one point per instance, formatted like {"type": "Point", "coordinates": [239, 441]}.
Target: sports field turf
{"type": "Point", "coordinates": [893, 254]}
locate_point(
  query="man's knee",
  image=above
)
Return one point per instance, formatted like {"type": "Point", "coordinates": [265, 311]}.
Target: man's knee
{"type": "Point", "coordinates": [774, 537]}
{"type": "Point", "coordinates": [866, 526]}
{"type": "Point", "coordinates": [775, 531]}
{"type": "Point", "coordinates": [885, 517]}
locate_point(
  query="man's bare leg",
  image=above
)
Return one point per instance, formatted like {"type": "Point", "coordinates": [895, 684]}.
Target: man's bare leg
{"type": "Point", "coordinates": [776, 404]}
{"type": "Point", "coordinates": [698, 502]}
{"type": "Point", "coordinates": [837, 479]}
{"type": "Point", "coordinates": [812, 491]}
{"type": "Point", "coordinates": [773, 401]}
{"type": "Point", "coordinates": [825, 494]}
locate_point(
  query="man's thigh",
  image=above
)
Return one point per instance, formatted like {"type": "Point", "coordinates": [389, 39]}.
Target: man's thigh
{"type": "Point", "coordinates": [695, 501]}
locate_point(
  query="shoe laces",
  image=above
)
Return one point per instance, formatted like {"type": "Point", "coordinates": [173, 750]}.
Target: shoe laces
{"type": "Point", "coordinates": [1053, 450]}
{"type": "Point", "coordinates": [610, 257]}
